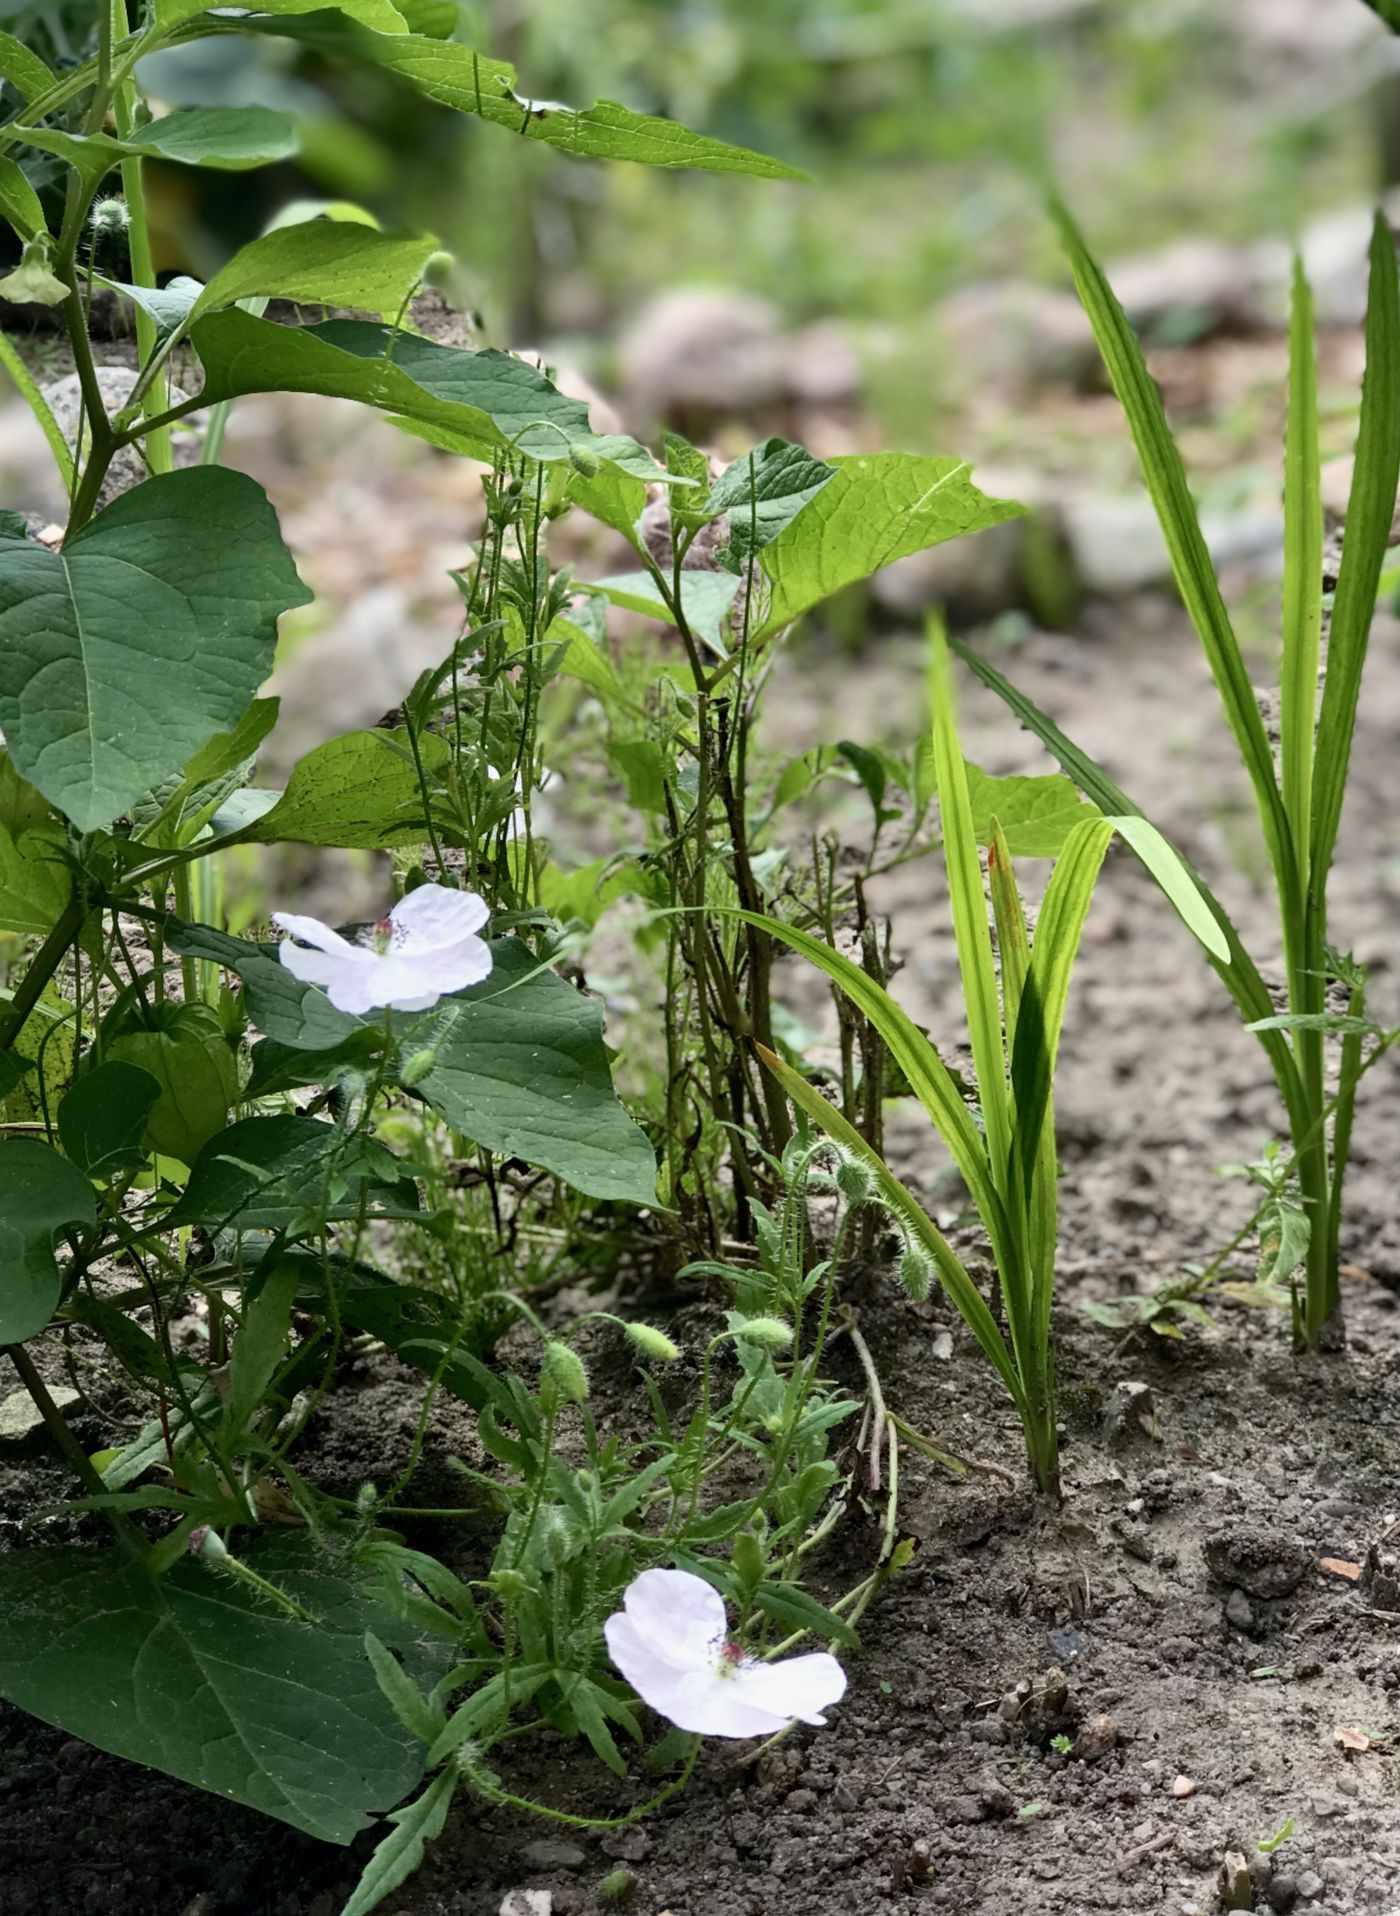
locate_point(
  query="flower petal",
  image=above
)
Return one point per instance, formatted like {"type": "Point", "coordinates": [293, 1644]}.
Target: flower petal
{"type": "Point", "coordinates": [434, 916]}
{"type": "Point", "coordinates": [325, 968]}
{"type": "Point", "coordinates": [680, 1616]}
{"type": "Point", "coordinates": [448, 968]}
{"type": "Point", "coordinates": [693, 1696]}
{"type": "Point", "coordinates": [312, 932]}
{"type": "Point", "coordinates": [799, 1687]}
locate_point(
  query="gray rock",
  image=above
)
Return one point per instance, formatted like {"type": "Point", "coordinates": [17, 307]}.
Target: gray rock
{"type": "Point", "coordinates": [20, 1418]}
{"type": "Point", "coordinates": [1131, 1414]}
{"type": "Point", "coordinates": [527, 1902]}
{"type": "Point", "coordinates": [1187, 289]}
{"type": "Point", "coordinates": [1239, 1611]}
{"type": "Point", "coordinates": [1283, 1893]}
{"type": "Point", "coordinates": [1310, 1886]}
{"type": "Point", "coordinates": [1016, 333]}
{"type": "Point", "coordinates": [703, 350]}
{"type": "Point", "coordinates": [115, 383]}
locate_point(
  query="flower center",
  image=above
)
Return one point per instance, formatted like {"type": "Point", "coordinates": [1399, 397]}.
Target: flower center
{"type": "Point", "coordinates": [379, 937]}
{"type": "Point", "coordinates": [730, 1657]}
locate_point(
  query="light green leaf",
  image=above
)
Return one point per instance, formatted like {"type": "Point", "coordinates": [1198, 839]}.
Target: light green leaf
{"type": "Point", "coordinates": [360, 789]}
{"type": "Point", "coordinates": [586, 661]}
{"type": "Point", "coordinates": [103, 1117]}
{"type": "Point", "coordinates": [705, 599]}
{"type": "Point", "coordinates": [1036, 814]}
{"type": "Point", "coordinates": [40, 1192]}
{"type": "Point", "coordinates": [469, 82]}
{"type": "Point", "coordinates": [878, 508]}
{"type": "Point", "coordinates": [1302, 575]}
{"type": "Point", "coordinates": [194, 1674]}
{"type": "Point", "coordinates": [762, 492]}
{"type": "Point", "coordinates": [328, 262]}
{"type": "Point", "coordinates": [1177, 880]}
{"type": "Point", "coordinates": [233, 139]}
{"type": "Point", "coordinates": [125, 653]}
{"type": "Point", "coordinates": [19, 203]}
{"type": "Point", "coordinates": [24, 70]}
{"type": "Point", "coordinates": [34, 881]}
{"type": "Point", "coordinates": [261, 1341]}
{"type": "Point", "coordinates": [1370, 509]}
{"type": "Point", "coordinates": [521, 1069]}
{"type": "Point", "coordinates": [184, 1049]}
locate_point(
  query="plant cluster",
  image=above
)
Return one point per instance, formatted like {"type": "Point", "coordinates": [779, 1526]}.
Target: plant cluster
{"type": "Point", "coordinates": [405, 1136]}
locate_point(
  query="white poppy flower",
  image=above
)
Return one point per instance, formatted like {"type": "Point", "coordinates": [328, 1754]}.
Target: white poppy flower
{"type": "Point", "coordinates": [425, 947]}
{"type": "Point", "coordinates": [672, 1644]}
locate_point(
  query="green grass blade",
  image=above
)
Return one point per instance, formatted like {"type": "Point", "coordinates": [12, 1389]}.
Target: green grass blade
{"type": "Point", "coordinates": [971, 1305]}
{"type": "Point", "coordinates": [974, 939]}
{"type": "Point", "coordinates": [1240, 975]}
{"type": "Point", "coordinates": [916, 1057]}
{"type": "Point", "coordinates": [1302, 575]}
{"type": "Point", "coordinates": [1192, 567]}
{"type": "Point", "coordinates": [1369, 511]}
{"type": "Point", "coordinates": [1013, 939]}
{"type": "Point", "coordinates": [1059, 928]}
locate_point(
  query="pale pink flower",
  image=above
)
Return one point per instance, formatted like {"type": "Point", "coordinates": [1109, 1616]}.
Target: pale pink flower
{"type": "Point", "coordinates": [425, 947]}
{"type": "Point", "coordinates": [672, 1643]}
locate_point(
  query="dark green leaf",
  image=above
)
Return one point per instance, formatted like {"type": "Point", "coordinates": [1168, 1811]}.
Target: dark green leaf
{"type": "Point", "coordinates": [102, 1119]}
{"type": "Point", "coordinates": [40, 1192]}
{"type": "Point", "coordinates": [288, 1173]}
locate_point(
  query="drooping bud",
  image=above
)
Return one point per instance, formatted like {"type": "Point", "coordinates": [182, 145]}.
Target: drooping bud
{"type": "Point", "coordinates": [769, 1333]}
{"type": "Point", "coordinates": [584, 460]}
{"type": "Point", "coordinates": [916, 1269]}
{"type": "Point", "coordinates": [854, 1178]}
{"type": "Point", "coordinates": [563, 1370]}
{"type": "Point", "coordinates": [206, 1542]}
{"type": "Point", "coordinates": [417, 1067]}
{"type": "Point", "coordinates": [653, 1343]}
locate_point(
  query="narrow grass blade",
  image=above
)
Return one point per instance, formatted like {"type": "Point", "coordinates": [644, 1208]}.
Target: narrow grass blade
{"type": "Point", "coordinates": [1191, 562]}
{"type": "Point", "coordinates": [1239, 975]}
{"type": "Point", "coordinates": [916, 1057]}
{"type": "Point", "coordinates": [1369, 511]}
{"type": "Point", "coordinates": [1013, 939]}
{"type": "Point", "coordinates": [1302, 575]}
{"type": "Point", "coordinates": [974, 939]}
{"type": "Point", "coordinates": [953, 1274]}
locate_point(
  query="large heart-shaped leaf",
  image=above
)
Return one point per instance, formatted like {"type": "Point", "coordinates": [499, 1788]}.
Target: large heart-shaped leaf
{"type": "Point", "coordinates": [520, 1065]}
{"type": "Point", "coordinates": [102, 1119]}
{"type": "Point", "coordinates": [281, 1174]}
{"type": "Point", "coordinates": [40, 1192]}
{"type": "Point", "coordinates": [197, 1675]}
{"type": "Point", "coordinates": [126, 652]}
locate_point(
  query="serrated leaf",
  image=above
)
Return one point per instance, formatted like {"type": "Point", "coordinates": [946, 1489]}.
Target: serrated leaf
{"type": "Point", "coordinates": [469, 82]}
{"type": "Point", "coordinates": [1036, 814]}
{"type": "Point", "coordinates": [40, 1192]}
{"type": "Point", "coordinates": [399, 1854]}
{"type": "Point", "coordinates": [879, 507]}
{"type": "Point", "coordinates": [125, 653]}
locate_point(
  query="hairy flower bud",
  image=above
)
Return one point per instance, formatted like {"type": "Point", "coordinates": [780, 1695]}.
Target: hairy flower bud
{"type": "Point", "coordinates": [563, 1370]}
{"type": "Point", "coordinates": [583, 459]}
{"type": "Point", "coordinates": [109, 218]}
{"type": "Point", "coordinates": [854, 1179]}
{"type": "Point", "coordinates": [653, 1343]}
{"type": "Point", "coordinates": [769, 1333]}
{"type": "Point", "coordinates": [916, 1271]}
{"type": "Point", "coordinates": [417, 1067]}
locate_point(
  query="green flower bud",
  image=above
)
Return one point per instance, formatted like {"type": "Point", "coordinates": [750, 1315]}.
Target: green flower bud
{"type": "Point", "coordinates": [617, 1888]}
{"type": "Point", "coordinates": [33, 282]}
{"type": "Point", "coordinates": [508, 1585]}
{"type": "Point", "coordinates": [653, 1343]}
{"type": "Point", "coordinates": [916, 1271]}
{"type": "Point", "coordinates": [769, 1333]}
{"type": "Point", "coordinates": [418, 1066]}
{"type": "Point", "coordinates": [437, 268]}
{"type": "Point", "coordinates": [205, 1542]}
{"type": "Point", "coordinates": [583, 459]}
{"type": "Point", "coordinates": [854, 1179]}
{"type": "Point", "coordinates": [109, 217]}
{"type": "Point", "coordinates": [563, 1370]}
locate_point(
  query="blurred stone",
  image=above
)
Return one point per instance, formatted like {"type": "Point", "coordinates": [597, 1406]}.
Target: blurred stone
{"type": "Point", "coordinates": [1261, 1561]}
{"type": "Point", "coordinates": [1336, 479]}
{"type": "Point", "coordinates": [823, 367]}
{"type": "Point", "coordinates": [1096, 1738]}
{"type": "Point", "coordinates": [1188, 289]}
{"type": "Point", "coordinates": [1016, 333]}
{"type": "Point", "coordinates": [703, 352]}
{"type": "Point", "coordinates": [527, 1902]}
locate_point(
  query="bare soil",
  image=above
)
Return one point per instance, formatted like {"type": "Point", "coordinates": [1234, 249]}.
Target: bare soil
{"type": "Point", "coordinates": [1208, 1660]}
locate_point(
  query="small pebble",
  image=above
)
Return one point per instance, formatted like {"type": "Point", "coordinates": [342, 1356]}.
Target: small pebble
{"type": "Point", "coordinates": [1310, 1885]}
{"type": "Point", "coordinates": [1183, 1786]}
